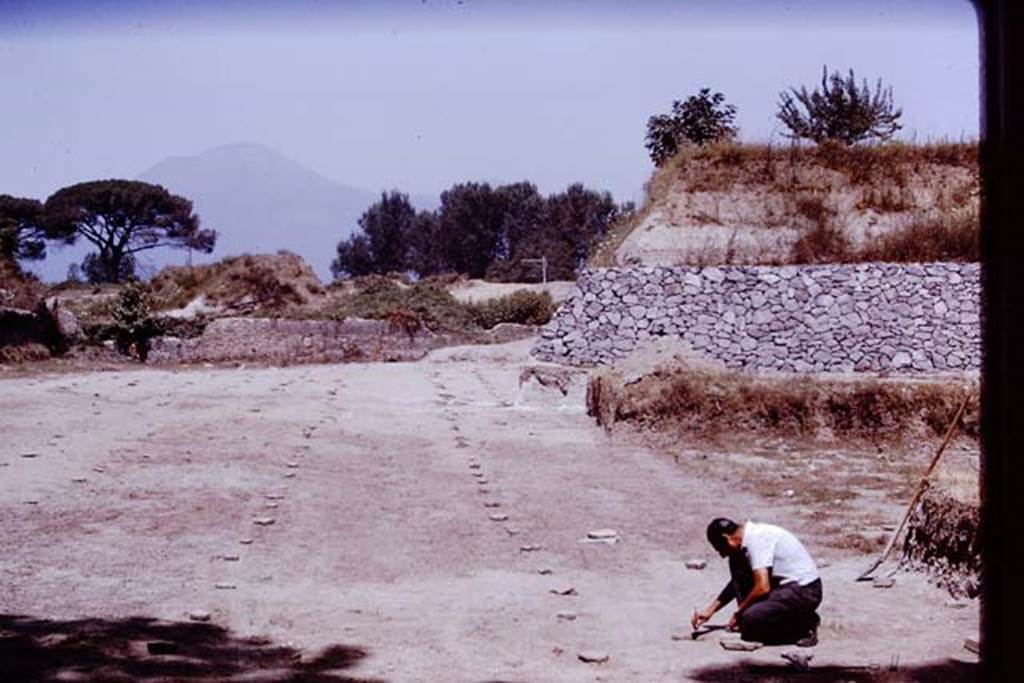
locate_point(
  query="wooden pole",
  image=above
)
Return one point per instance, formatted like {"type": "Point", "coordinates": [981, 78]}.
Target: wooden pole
{"type": "Point", "coordinates": [866, 575]}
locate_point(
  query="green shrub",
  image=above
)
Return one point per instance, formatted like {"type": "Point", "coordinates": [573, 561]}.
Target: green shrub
{"type": "Point", "coordinates": [523, 307]}
{"type": "Point", "coordinates": [379, 298]}
{"type": "Point", "coordinates": [133, 324]}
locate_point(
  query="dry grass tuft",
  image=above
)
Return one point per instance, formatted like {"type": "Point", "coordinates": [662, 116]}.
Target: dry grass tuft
{"type": "Point", "coordinates": [707, 402]}
{"type": "Point", "coordinates": [258, 284]}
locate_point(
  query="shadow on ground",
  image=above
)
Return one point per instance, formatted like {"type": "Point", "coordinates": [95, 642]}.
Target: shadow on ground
{"type": "Point", "coordinates": [950, 671]}
{"type": "Point", "coordinates": [139, 648]}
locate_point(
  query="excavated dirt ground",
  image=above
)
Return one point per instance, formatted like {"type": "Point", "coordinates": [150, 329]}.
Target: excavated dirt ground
{"type": "Point", "coordinates": [381, 562]}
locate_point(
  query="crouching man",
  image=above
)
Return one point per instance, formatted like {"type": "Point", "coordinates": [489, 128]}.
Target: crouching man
{"type": "Point", "coordinates": [774, 581]}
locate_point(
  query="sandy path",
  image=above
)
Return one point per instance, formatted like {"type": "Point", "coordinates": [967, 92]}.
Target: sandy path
{"type": "Point", "coordinates": [381, 539]}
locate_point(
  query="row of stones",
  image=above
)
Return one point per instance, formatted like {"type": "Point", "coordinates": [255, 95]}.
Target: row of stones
{"type": "Point", "coordinates": [865, 317]}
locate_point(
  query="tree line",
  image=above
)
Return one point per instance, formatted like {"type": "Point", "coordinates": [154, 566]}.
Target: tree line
{"type": "Point", "coordinates": [482, 232]}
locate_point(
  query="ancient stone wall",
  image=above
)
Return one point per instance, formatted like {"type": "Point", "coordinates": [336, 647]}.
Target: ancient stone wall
{"type": "Point", "coordinates": [874, 317]}
{"type": "Point", "coordinates": [293, 341]}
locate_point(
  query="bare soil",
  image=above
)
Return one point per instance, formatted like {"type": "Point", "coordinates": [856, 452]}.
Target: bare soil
{"type": "Point", "coordinates": [382, 562]}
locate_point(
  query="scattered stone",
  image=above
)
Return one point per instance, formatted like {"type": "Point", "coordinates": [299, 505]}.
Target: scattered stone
{"type": "Point", "coordinates": [246, 541]}
{"type": "Point", "coordinates": [474, 465]}
{"type": "Point", "coordinates": [696, 564]}
{"type": "Point", "coordinates": [199, 615]}
{"type": "Point", "coordinates": [953, 603]}
{"type": "Point", "coordinates": [545, 571]}
{"type": "Point", "coordinates": [275, 496]}
{"type": "Point", "coordinates": [567, 616]}
{"type": "Point", "coordinates": [529, 548]}
{"type": "Point", "coordinates": [973, 645]}
{"type": "Point", "coordinates": [271, 505]}
{"type": "Point", "coordinates": [593, 657]}
{"type": "Point", "coordinates": [801, 661]}
{"type": "Point", "coordinates": [603, 534]}
{"type": "Point", "coordinates": [734, 642]}
{"type": "Point", "coordinates": [224, 586]}
{"type": "Point", "coordinates": [563, 590]}
{"type": "Point", "coordinates": [234, 558]}
{"type": "Point", "coordinates": [289, 475]}
{"type": "Point", "coordinates": [884, 582]}
{"type": "Point", "coordinates": [498, 517]}
{"type": "Point", "coordinates": [31, 502]}
{"type": "Point", "coordinates": [888, 527]}
{"type": "Point", "coordinates": [789, 493]}
{"type": "Point", "coordinates": [481, 480]}
{"type": "Point", "coordinates": [263, 521]}
{"type": "Point", "coordinates": [291, 464]}
{"type": "Point", "coordinates": [492, 504]}
{"type": "Point", "coordinates": [79, 480]}
{"type": "Point", "coordinates": [30, 455]}
{"type": "Point", "coordinates": [98, 470]}
{"type": "Point", "coordinates": [512, 531]}
{"type": "Point", "coordinates": [483, 489]}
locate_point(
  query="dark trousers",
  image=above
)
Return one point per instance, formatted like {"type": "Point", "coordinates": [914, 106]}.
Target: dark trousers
{"type": "Point", "coordinates": [784, 616]}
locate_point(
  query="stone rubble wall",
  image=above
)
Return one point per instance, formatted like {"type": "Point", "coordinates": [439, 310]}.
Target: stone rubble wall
{"type": "Point", "coordinates": [293, 341]}
{"type": "Point", "coordinates": [868, 317]}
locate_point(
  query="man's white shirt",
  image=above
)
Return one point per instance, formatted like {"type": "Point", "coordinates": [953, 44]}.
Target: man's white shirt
{"type": "Point", "coordinates": [770, 546]}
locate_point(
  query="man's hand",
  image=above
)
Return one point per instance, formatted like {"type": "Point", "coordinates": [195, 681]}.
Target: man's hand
{"type": "Point", "coordinates": [734, 622]}
{"type": "Point", "coordinates": [700, 618]}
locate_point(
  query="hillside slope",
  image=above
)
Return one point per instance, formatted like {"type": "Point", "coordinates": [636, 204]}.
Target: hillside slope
{"type": "Point", "coordinates": [745, 204]}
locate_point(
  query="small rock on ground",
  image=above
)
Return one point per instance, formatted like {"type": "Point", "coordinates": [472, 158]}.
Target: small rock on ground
{"type": "Point", "coordinates": [492, 504]}
{"type": "Point", "coordinates": [567, 616]}
{"type": "Point", "coordinates": [529, 548]}
{"type": "Point", "coordinates": [199, 615]}
{"type": "Point", "coordinates": [234, 558]}
{"type": "Point", "coordinates": [884, 582]}
{"type": "Point", "coordinates": [593, 657]}
{"type": "Point", "coordinates": [263, 521]}
{"type": "Point", "coordinates": [696, 564]}
{"type": "Point", "coordinates": [498, 517]}
{"type": "Point", "coordinates": [800, 660]}
{"type": "Point", "coordinates": [224, 586]}
{"type": "Point", "coordinates": [602, 534]}
{"type": "Point", "coordinates": [563, 590]}
{"type": "Point", "coordinates": [246, 541]}
{"type": "Point", "coordinates": [736, 643]}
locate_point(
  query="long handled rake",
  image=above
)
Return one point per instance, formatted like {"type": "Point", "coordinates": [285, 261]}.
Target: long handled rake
{"type": "Point", "coordinates": [866, 575]}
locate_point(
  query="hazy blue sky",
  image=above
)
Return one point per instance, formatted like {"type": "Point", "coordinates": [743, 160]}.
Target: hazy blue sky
{"type": "Point", "coordinates": [418, 95]}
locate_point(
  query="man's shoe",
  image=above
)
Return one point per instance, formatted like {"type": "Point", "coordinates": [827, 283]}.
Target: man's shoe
{"type": "Point", "coordinates": [810, 640]}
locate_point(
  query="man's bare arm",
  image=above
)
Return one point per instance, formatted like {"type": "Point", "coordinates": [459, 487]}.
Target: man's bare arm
{"type": "Point", "coordinates": [762, 586]}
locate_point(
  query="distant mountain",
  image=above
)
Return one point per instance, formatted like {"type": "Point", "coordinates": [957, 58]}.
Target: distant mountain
{"type": "Point", "coordinates": [261, 201]}
{"type": "Point", "coordinates": [257, 199]}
